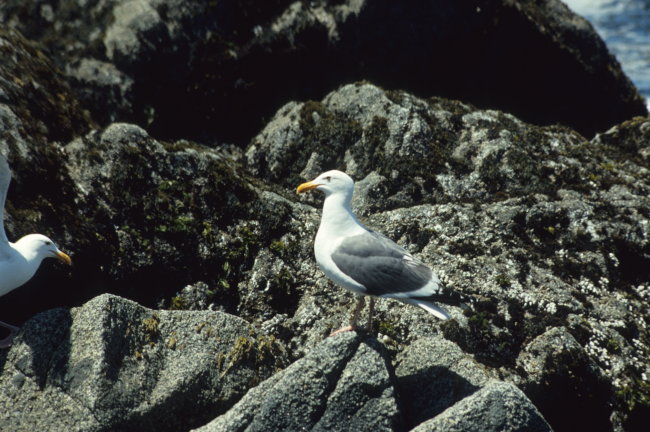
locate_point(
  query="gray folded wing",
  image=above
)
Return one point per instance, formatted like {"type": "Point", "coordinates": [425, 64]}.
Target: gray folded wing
{"type": "Point", "coordinates": [388, 270]}
{"type": "Point", "coordinates": [379, 264]}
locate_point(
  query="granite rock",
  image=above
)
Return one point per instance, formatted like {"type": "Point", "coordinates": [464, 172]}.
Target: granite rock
{"type": "Point", "coordinates": [496, 407]}
{"type": "Point", "coordinates": [345, 383]}
{"type": "Point", "coordinates": [434, 374]}
{"type": "Point", "coordinates": [114, 365]}
{"type": "Point", "coordinates": [547, 229]}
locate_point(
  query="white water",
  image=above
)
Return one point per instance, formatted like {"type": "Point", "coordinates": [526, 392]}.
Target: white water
{"type": "Point", "coordinates": [624, 25]}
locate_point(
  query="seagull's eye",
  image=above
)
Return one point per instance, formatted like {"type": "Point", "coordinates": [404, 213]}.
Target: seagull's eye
{"type": "Point", "coordinates": [48, 243]}
{"type": "Point", "coordinates": [328, 178]}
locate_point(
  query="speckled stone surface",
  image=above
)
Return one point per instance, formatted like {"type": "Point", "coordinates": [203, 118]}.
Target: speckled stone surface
{"type": "Point", "coordinates": [549, 230]}
{"type": "Point", "coordinates": [496, 407]}
{"type": "Point", "coordinates": [345, 383]}
{"type": "Point", "coordinates": [432, 375]}
{"type": "Point", "coordinates": [114, 365]}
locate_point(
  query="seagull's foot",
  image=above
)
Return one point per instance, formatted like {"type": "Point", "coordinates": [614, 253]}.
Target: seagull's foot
{"type": "Point", "coordinates": [344, 329]}
{"type": "Point", "coordinates": [351, 328]}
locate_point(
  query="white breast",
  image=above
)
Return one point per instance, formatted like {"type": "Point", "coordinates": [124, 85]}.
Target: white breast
{"type": "Point", "coordinates": [324, 246]}
{"type": "Point", "coordinates": [15, 270]}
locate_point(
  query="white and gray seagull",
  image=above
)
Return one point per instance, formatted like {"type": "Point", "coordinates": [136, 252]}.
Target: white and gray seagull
{"type": "Point", "coordinates": [369, 263]}
{"type": "Point", "coordinates": [19, 261]}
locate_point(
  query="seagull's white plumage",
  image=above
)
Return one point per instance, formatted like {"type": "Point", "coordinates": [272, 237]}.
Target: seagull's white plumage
{"type": "Point", "coordinates": [19, 261]}
{"type": "Point", "coordinates": [368, 263]}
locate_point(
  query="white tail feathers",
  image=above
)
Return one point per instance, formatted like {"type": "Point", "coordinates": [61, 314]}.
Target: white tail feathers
{"type": "Point", "coordinates": [432, 308]}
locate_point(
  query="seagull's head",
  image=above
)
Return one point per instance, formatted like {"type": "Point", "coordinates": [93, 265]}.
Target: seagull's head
{"type": "Point", "coordinates": [330, 183]}
{"type": "Point", "coordinates": [42, 247]}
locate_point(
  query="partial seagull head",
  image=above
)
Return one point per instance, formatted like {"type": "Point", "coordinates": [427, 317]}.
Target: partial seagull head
{"type": "Point", "coordinates": [38, 247]}
{"type": "Point", "coordinates": [19, 261]}
{"type": "Point", "coordinates": [331, 183]}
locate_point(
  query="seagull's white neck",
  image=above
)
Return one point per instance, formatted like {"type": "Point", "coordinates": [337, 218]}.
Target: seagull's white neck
{"type": "Point", "coordinates": [338, 219]}
{"type": "Point", "coordinates": [18, 266]}
{"type": "Point", "coordinates": [28, 252]}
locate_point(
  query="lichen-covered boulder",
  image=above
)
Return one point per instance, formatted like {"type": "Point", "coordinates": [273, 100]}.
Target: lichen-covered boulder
{"type": "Point", "coordinates": [345, 383]}
{"type": "Point", "coordinates": [114, 365]}
{"type": "Point", "coordinates": [143, 219]}
{"type": "Point", "coordinates": [38, 113]}
{"type": "Point", "coordinates": [547, 229]}
{"type": "Point", "coordinates": [175, 214]}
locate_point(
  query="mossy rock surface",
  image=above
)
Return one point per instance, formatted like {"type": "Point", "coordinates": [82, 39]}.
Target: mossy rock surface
{"type": "Point", "coordinates": [170, 212]}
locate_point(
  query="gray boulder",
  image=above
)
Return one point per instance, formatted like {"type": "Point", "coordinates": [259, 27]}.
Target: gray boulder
{"type": "Point", "coordinates": [174, 214]}
{"type": "Point", "coordinates": [496, 407]}
{"type": "Point", "coordinates": [114, 365]}
{"type": "Point", "coordinates": [434, 374]}
{"type": "Point", "coordinates": [345, 383]}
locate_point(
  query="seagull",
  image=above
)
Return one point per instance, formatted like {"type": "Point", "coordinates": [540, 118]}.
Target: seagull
{"type": "Point", "coordinates": [19, 261]}
{"type": "Point", "coordinates": [369, 263]}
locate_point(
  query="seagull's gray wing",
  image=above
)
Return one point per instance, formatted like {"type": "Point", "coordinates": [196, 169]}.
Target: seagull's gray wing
{"type": "Point", "coordinates": [378, 264]}
{"type": "Point", "coordinates": [5, 179]}
{"type": "Point", "coordinates": [388, 270]}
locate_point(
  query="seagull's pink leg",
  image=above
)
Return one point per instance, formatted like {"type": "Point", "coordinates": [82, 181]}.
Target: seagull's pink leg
{"type": "Point", "coordinates": [6, 342]}
{"type": "Point", "coordinates": [353, 324]}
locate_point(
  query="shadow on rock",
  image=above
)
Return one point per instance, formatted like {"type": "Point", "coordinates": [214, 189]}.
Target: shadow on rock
{"type": "Point", "coordinates": [498, 406]}
{"type": "Point", "coordinates": [565, 385]}
{"type": "Point", "coordinates": [433, 374]}
{"type": "Point", "coordinates": [24, 371]}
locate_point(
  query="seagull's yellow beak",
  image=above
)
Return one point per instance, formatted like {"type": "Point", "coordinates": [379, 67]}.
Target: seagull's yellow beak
{"type": "Point", "coordinates": [63, 257]}
{"type": "Point", "coordinates": [306, 187]}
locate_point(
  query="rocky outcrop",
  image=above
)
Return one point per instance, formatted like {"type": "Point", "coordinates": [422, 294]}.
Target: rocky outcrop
{"type": "Point", "coordinates": [545, 228]}
{"type": "Point", "coordinates": [73, 185]}
{"type": "Point", "coordinates": [347, 383]}
{"type": "Point", "coordinates": [548, 229]}
{"type": "Point", "coordinates": [38, 113]}
{"type": "Point", "coordinates": [114, 365]}
{"type": "Point", "coordinates": [231, 64]}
